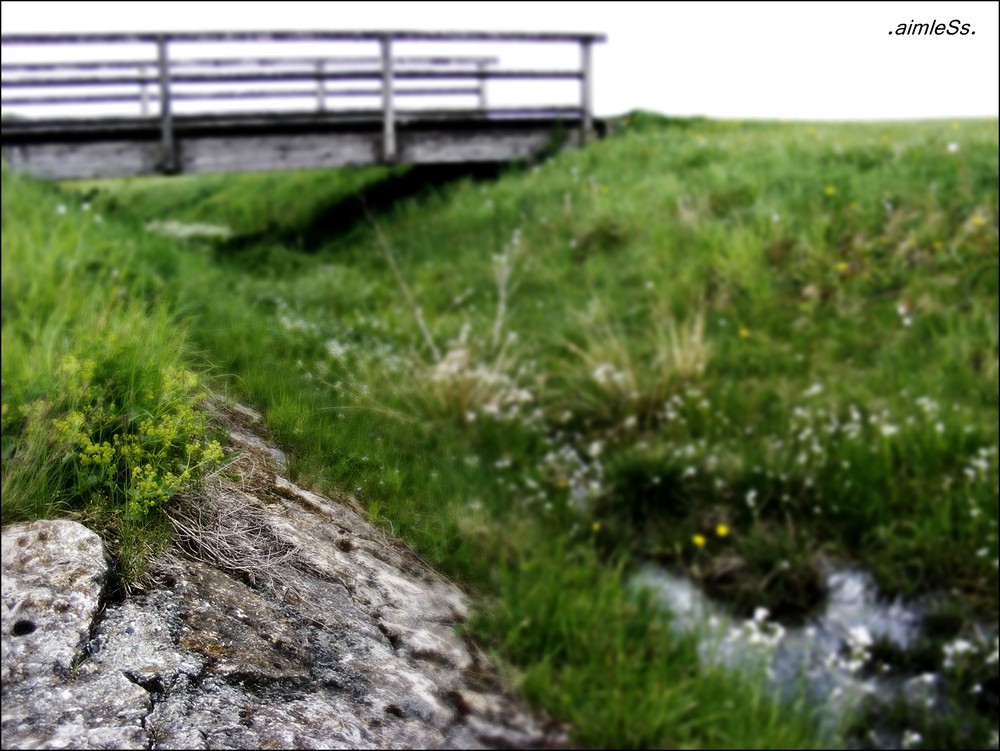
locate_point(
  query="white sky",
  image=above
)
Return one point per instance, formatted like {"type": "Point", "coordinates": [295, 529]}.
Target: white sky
{"type": "Point", "coordinates": [830, 61]}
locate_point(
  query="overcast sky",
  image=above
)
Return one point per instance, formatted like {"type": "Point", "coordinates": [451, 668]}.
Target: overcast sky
{"type": "Point", "coordinates": [726, 60]}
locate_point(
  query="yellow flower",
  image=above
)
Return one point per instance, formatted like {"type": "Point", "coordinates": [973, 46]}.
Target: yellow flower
{"type": "Point", "coordinates": [830, 190]}
{"type": "Point", "coordinates": [596, 526]}
{"type": "Point", "coordinates": [699, 541]}
{"type": "Point", "coordinates": [842, 267]}
{"type": "Point", "coordinates": [978, 220]}
{"type": "Point", "coordinates": [721, 530]}
{"type": "Point", "coordinates": [562, 483]}
{"type": "Point", "coordinates": [744, 332]}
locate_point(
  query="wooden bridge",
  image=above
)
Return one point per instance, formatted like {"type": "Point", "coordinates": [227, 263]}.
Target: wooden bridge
{"type": "Point", "coordinates": [111, 105]}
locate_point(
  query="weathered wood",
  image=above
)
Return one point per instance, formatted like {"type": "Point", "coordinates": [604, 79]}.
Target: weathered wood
{"type": "Point", "coordinates": [252, 62]}
{"type": "Point", "coordinates": [73, 161]}
{"type": "Point", "coordinates": [260, 153]}
{"type": "Point", "coordinates": [266, 76]}
{"type": "Point", "coordinates": [163, 141]}
{"type": "Point", "coordinates": [482, 85]}
{"type": "Point", "coordinates": [304, 36]}
{"type": "Point", "coordinates": [23, 131]}
{"type": "Point", "coordinates": [586, 88]}
{"type": "Point", "coordinates": [388, 120]}
{"type": "Point", "coordinates": [166, 125]}
{"type": "Point", "coordinates": [143, 93]}
{"type": "Point", "coordinates": [445, 147]}
{"type": "Point", "coordinates": [320, 87]}
{"type": "Point", "coordinates": [144, 98]}
{"type": "Point", "coordinates": [127, 158]}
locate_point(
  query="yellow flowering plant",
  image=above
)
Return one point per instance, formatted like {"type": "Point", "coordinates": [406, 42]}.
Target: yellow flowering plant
{"type": "Point", "coordinates": [136, 457]}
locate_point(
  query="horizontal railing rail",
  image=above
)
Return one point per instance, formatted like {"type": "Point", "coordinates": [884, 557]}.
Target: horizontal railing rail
{"type": "Point", "coordinates": [304, 36]}
{"type": "Point", "coordinates": [156, 82]}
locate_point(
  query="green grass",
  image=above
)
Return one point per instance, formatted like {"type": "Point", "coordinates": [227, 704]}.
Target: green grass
{"type": "Point", "coordinates": [788, 330]}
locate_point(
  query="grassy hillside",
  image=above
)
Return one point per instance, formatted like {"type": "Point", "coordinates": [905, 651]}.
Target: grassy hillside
{"type": "Point", "coordinates": [744, 351]}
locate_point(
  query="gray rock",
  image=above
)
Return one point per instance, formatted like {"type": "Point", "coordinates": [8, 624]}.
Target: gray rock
{"type": "Point", "coordinates": [54, 573]}
{"type": "Point", "coordinates": [282, 619]}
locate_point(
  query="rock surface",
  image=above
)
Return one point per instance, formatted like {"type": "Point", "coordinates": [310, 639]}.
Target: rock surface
{"type": "Point", "coordinates": [282, 619]}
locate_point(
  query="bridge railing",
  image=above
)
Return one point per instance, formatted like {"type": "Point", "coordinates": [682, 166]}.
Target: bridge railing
{"type": "Point", "coordinates": [158, 78]}
{"type": "Point", "coordinates": [144, 75]}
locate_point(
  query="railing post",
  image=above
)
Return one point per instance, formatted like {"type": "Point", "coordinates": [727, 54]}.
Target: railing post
{"type": "Point", "coordinates": [586, 88]}
{"type": "Point", "coordinates": [169, 164]}
{"type": "Point", "coordinates": [482, 85]}
{"type": "Point", "coordinates": [388, 116]}
{"type": "Point", "coordinates": [143, 92]}
{"type": "Point", "coordinates": [320, 86]}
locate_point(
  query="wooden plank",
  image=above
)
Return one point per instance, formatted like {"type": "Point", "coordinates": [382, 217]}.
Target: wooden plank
{"type": "Point", "coordinates": [166, 123]}
{"type": "Point", "coordinates": [125, 158]}
{"type": "Point", "coordinates": [587, 89]}
{"type": "Point", "coordinates": [237, 95]}
{"type": "Point", "coordinates": [260, 153]}
{"type": "Point", "coordinates": [388, 118]}
{"type": "Point", "coordinates": [443, 147]}
{"type": "Point", "coordinates": [263, 62]}
{"type": "Point", "coordinates": [320, 87]}
{"type": "Point", "coordinates": [62, 161]}
{"type": "Point", "coordinates": [303, 36]}
{"type": "Point", "coordinates": [267, 76]}
{"type": "Point", "coordinates": [80, 130]}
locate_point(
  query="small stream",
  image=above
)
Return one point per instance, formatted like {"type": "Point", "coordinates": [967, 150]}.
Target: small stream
{"type": "Point", "coordinates": [829, 655]}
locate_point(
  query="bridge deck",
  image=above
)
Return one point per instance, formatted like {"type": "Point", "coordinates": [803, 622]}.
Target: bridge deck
{"type": "Point", "coordinates": [83, 144]}
{"type": "Point", "coordinates": [119, 148]}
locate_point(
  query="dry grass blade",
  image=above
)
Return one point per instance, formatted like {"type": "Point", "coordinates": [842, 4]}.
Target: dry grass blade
{"type": "Point", "coordinates": [229, 529]}
{"type": "Point", "coordinates": [622, 379]}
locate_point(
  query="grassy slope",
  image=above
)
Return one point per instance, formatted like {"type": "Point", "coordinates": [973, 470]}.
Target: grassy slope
{"type": "Point", "coordinates": [786, 333]}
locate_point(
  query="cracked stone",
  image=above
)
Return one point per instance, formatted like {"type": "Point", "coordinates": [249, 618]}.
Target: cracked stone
{"type": "Point", "coordinates": [342, 638]}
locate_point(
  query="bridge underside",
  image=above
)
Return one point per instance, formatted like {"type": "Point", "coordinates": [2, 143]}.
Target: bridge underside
{"type": "Point", "coordinates": [81, 149]}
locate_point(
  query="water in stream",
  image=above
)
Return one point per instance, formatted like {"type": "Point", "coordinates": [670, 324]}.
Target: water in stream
{"type": "Point", "coordinates": [829, 655]}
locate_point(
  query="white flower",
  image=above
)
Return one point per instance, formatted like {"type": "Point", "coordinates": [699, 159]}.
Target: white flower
{"type": "Point", "coordinates": [335, 349]}
{"type": "Point", "coordinates": [952, 148]}
{"type": "Point", "coordinates": [889, 430]}
{"type": "Point", "coordinates": [859, 636]}
{"type": "Point", "coordinates": [955, 649]}
{"type": "Point", "coordinates": [814, 390]}
{"type": "Point", "coordinates": [603, 373]}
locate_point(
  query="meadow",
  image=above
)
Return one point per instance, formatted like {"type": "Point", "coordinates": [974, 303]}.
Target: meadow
{"type": "Point", "coordinates": [742, 352]}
